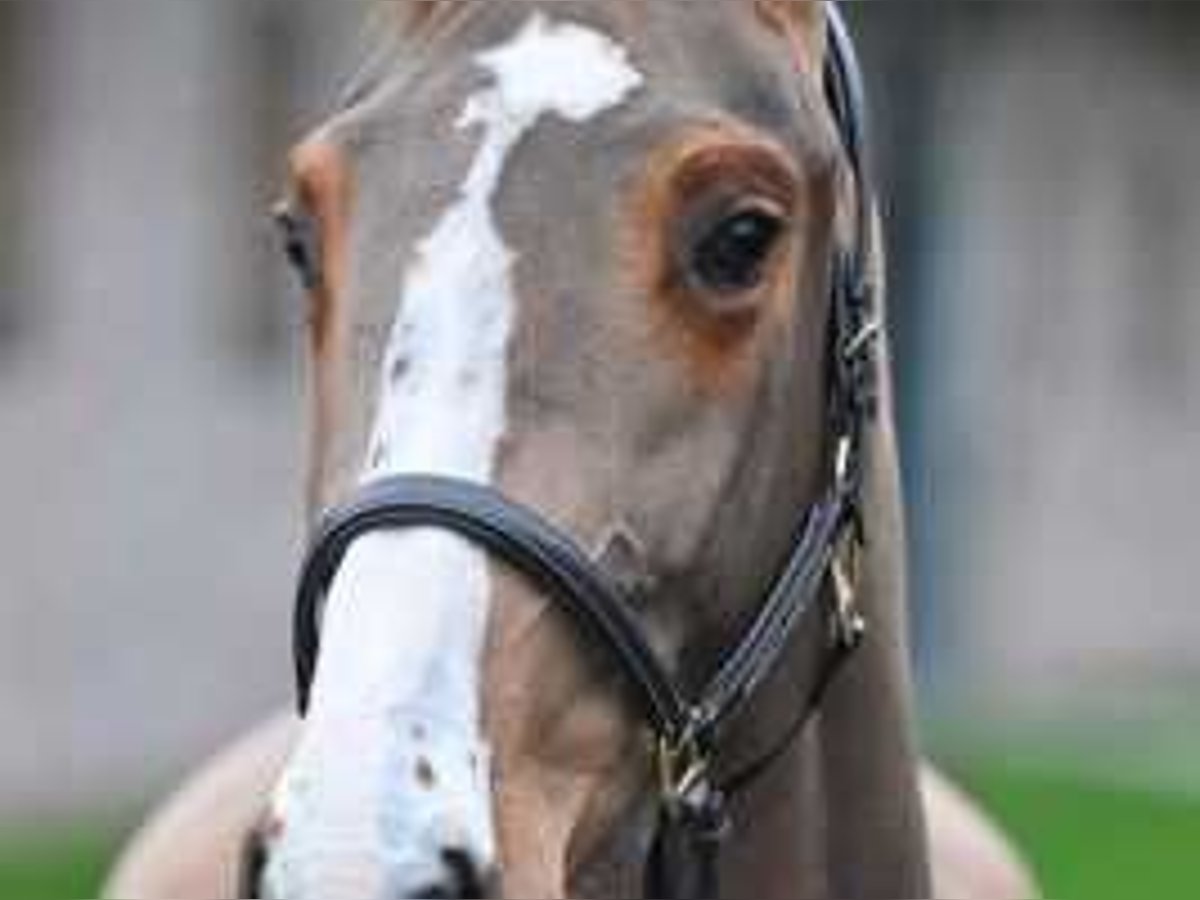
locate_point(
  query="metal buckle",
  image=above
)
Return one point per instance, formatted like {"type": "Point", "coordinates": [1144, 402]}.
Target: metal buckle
{"type": "Point", "coordinates": [858, 373]}
{"type": "Point", "coordinates": [689, 798]}
{"type": "Point", "coordinates": [846, 566]}
{"type": "Point", "coordinates": [866, 336]}
{"type": "Point", "coordinates": [682, 768]}
{"type": "Point", "coordinates": [849, 624]}
{"type": "Point", "coordinates": [841, 460]}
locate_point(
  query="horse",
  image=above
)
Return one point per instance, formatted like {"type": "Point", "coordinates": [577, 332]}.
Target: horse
{"type": "Point", "coordinates": [601, 406]}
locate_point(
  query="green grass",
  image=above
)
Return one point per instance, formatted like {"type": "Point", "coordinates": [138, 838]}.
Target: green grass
{"type": "Point", "coordinates": [57, 863]}
{"type": "Point", "coordinates": [1087, 840]}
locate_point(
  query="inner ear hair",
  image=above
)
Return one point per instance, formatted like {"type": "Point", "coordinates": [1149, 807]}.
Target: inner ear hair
{"type": "Point", "coordinates": [415, 17]}
{"type": "Point", "coordinates": [802, 24]}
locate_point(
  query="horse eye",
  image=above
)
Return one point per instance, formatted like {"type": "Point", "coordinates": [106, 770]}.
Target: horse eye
{"type": "Point", "coordinates": [301, 240]}
{"type": "Point", "coordinates": [732, 256]}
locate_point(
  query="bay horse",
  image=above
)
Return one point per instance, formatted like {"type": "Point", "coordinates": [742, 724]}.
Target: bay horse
{"type": "Point", "coordinates": [601, 406]}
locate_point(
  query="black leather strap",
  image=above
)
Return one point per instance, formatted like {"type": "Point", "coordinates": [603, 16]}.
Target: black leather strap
{"type": "Point", "coordinates": [845, 93]}
{"type": "Point", "coordinates": [793, 595]}
{"type": "Point", "coordinates": [513, 533]}
{"type": "Point", "coordinates": [531, 545]}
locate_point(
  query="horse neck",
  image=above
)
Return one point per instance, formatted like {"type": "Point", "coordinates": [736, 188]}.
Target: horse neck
{"type": "Point", "coordinates": [840, 815]}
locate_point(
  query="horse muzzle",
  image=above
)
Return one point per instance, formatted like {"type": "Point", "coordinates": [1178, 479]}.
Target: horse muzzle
{"type": "Point", "coordinates": [402, 811]}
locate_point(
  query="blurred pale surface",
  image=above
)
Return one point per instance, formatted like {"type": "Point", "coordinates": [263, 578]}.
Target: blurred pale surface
{"type": "Point", "coordinates": [150, 396]}
{"type": "Point", "coordinates": [1062, 386]}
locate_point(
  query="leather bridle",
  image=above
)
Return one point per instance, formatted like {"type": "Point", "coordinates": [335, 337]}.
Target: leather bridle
{"type": "Point", "coordinates": [693, 817]}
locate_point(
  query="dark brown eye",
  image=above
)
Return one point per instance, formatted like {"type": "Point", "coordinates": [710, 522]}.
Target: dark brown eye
{"type": "Point", "coordinates": [732, 255]}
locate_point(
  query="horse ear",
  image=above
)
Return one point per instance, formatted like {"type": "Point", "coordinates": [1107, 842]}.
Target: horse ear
{"type": "Point", "coordinates": [321, 193]}
{"type": "Point", "coordinates": [802, 24]}
{"type": "Point", "coordinates": [414, 15]}
{"type": "Point", "coordinates": [320, 187]}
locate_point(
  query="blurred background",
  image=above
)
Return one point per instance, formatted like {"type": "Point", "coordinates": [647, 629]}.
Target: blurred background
{"type": "Point", "coordinates": [1037, 172]}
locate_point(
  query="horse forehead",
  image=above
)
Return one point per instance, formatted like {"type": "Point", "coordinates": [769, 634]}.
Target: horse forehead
{"type": "Point", "coordinates": [413, 141]}
{"type": "Point", "coordinates": [410, 153]}
{"type": "Point", "coordinates": [695, 60]}
{"type": "Point", "coordinates": [694, 49]}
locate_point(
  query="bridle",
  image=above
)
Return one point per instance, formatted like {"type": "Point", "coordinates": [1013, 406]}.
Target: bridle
{"type": "Point", "coordinates": [693, 806]}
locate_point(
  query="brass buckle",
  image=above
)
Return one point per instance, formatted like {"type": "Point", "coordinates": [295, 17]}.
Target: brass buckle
{"type": "Point", "coordinates": [683, 769]}
{"type": "Point", "coordinates": [841, 460]}
{"type": "Point", "coordinates": [865, 337]}
{"type": "Point", "coordinates": [849, 624]}
{"type": "Point", "coordinates": [689, 798]}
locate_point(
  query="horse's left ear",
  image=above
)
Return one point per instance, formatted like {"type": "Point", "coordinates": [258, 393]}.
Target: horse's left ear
{"type": "Point", "coordinates": [802, 24]}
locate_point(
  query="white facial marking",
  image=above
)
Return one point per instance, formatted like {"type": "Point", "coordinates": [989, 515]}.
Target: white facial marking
{"type": "Point", "coordinates": [392, 768]}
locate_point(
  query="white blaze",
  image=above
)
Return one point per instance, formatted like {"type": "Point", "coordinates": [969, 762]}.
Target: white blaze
{"type": "Point", "coordinates": [397, 693]}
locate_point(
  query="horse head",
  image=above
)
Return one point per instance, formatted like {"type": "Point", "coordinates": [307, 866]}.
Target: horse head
{"type": "Point", "coordinates": [584, 256]}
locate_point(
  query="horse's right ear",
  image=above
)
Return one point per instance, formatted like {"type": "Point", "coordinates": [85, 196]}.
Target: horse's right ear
{"type": "Point", "coordinates": [320, 197]}
{"type": "Point", "coordinates": [802, 24]}
{"type": "Point", "coordinates": [315, 218]}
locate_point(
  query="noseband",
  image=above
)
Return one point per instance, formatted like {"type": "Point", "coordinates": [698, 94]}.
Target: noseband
{"type": "Point", "coordinates": [693, 818]}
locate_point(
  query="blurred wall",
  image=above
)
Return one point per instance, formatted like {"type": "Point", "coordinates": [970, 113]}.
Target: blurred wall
{"type": "Point", "coordinates": [1054, 364]}
{"type": "Point", "coordinates": [1036, 174]}
{"type": "Point", "coordinates": [150, 384]}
